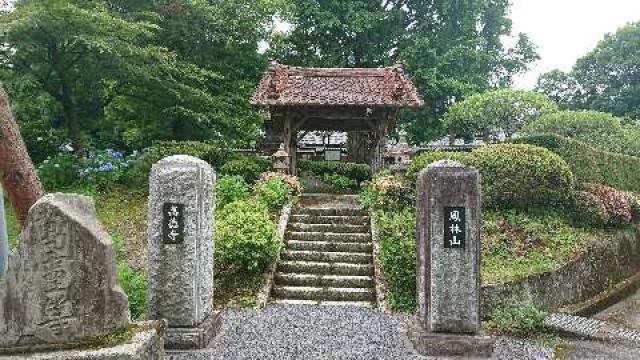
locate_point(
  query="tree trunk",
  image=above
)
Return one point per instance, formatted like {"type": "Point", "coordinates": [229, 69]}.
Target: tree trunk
{"type": "Point", "coordinates": [17, 173]}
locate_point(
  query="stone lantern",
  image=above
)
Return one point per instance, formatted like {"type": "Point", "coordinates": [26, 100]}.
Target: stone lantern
{"type": "Point", "coordinates": [281, 160]}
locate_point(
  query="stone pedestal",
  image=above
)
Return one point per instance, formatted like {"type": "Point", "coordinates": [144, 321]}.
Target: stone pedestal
{"type": "Point", "coordinates": [180, 261]}
{"type": "Point", "coordinates": [448, 256]}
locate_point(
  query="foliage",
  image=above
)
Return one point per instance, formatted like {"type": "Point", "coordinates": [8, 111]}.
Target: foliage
{"type": "Point", "coordinates": [423, 160]}
{"type": "Point", "coordinates": [13, 229]}
{"type": "Point", "coordinates": [600, 130]}
{"type": "Point", "coordinates": [230, 189]}
{"type": "Point", "coordinates": [590, 165]}
{"type": "Point", "coordinates": [634, 202]}
{"type": "Point", "coordinates": [522, 176]}
{"type": "Point", "coordinates": [589, 210]}
{"type": "Point", "coordinates": [246, 238]}
{"type": "Point", "coordinates": [275, 189]}
{"type": "Point", "coordinates": [216, 154]}
{"type": "Point", "coordinates": [248, 167]}
{"type": "Point", "coordinates": [339, 182]}
{"type": "Point", "coordinates": [498, 112]}
{"type": "Point", "coordinates": [397, 233]}
{"type": "Point", "coordinates": [521, 320]}
{"type": "Point", "coordinates": [386, 192]}
{"type": "Point", "coordinates": [459, 54]}
{"type": "Point", "coordinates": [614, 202]}
{"type": "Point", "coordinates": [520, 243]}
{"type": "Point", "coordinates": [133, 282]}
{"type": "Point", "coordinates": [356, 172]}
{"type": "Point", "coordinates": [97, 171]}
{"type": "Point", "coordinates": [606, 79]}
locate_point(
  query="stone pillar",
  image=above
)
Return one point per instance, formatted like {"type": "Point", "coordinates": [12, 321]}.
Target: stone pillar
{"type": "Point", "coordinates": [448, 261]}
{"type": "Point", "coordinates": [180, 260]}
{"type": "Point", "coordinates": [4, 238]}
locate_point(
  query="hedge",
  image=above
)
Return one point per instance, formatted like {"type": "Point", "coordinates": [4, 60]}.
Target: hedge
{"type": "Point", "coordinates": [357, 172]}
{"type": "Point", "coordinates": [590, 165]}
{"type": "Point", "coordinates": [422, 161]}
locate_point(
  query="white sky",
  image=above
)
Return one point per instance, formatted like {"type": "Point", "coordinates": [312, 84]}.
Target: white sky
{"type": "Point", "coordinates": [565, 30]}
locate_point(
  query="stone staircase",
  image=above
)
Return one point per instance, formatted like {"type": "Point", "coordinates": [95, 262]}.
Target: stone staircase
{"type": "Point", "coordinates": [327, 259]}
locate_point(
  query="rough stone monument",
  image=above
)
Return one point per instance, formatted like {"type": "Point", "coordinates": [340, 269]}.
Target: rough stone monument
{"type": "Point", "coordinates": [180, 261]}
{"type": "Point", "coordinates": [61, 288]}
{"type": "Point", "coordinates": [448, 262]}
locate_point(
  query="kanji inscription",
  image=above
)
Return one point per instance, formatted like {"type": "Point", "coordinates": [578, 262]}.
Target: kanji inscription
{"type": "Point", "coordinates": [173, 223]}
{"type": "Point", "coordinates": [455, 227]}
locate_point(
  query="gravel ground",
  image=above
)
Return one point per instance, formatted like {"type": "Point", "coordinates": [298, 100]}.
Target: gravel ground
{"type": "Point", "coordinates": [343, 332]}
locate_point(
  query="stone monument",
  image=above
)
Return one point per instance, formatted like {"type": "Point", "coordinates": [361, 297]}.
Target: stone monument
{"type": "Point", "coordinates": [180, 261]}
{"type": "Point", "coordinates": [448, 262]}
{"type": "Point", "coordinates": [61, 289]}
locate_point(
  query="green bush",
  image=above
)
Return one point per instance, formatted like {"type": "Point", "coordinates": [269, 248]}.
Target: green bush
{"type": "Point", "coordinates": [589, 211]}
{"type": "Point", "coordinates": [522, 176]}
{"type": "Point", "coordinates": [422, 161]}
{"type": "Point", "coordinates": [276, 189]}
{"type": "Point", "coordinates": [398, 256]}
{"type": "Point", "coordinates": [339, 182]}
{"type": "Point", "coordinates": [590, 165]}
{"type": "Point", "coordinates": [357, 172]}
{"type": "Point", "coordinates": [601, 130]}
{"type": "Point", "coordinates": [230, 189]}
{"type": "Point", "coordinates": [634, 202]}
{"type": "Point", "coordinates": [386, 192]}
{"type": "Point", "coordinates": [520, 320]}
{"type": "Point", "coordinates": [614, 202]}
{"type": "Point", "coordinates": [246, 238]}
{"type": "Point", "coordinates": [134, 284]}
{"type": "Point", "coordinates": [248, 167]}
{"type": "Point", "coordinates": [215, 154]}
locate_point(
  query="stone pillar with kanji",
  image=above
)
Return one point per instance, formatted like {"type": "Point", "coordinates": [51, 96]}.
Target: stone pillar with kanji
{"type": "Point", "coordinates": [181, 243]}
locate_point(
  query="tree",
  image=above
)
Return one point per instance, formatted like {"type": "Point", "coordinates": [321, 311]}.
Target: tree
{"type": "Point", "coordinates": [451, 48]}
{"type": "Point", "coordinates": [18, 175]}
{"type": "Point", "coordinates": [607, 79]}
{"type": "Point", "coordinates": [497, 112]}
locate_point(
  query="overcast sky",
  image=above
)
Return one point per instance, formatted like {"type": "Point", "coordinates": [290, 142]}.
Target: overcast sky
{"type": "Point", "coordinates": [565, 30]}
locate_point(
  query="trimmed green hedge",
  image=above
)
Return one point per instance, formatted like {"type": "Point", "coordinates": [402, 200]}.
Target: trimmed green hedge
{"type": "Point", "coordinates": [590, 165]}
{"type": "Point", "coordinates": [248, 167]}
{"type": "Point", "coordinates": [513, 175]}
{"type": "Point", "coordinates": [215, 154]}
{"type": "Point", "coordinates": [356, 172]}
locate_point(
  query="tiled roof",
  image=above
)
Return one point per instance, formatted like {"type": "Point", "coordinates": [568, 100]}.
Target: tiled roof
{"type": "Point", "coordinates": [284, 85]}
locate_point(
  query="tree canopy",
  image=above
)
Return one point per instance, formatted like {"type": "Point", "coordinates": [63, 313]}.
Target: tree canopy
{"type": "Point", "coordinates": [606, 79]}
{"type": "Point", "coordinates": [497, 112]}
{"type": "Point", "coordinates": [452, 48]}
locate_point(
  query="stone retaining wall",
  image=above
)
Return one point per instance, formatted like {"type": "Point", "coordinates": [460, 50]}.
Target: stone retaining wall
{"type": "Point", "coordinates": [613, 260]}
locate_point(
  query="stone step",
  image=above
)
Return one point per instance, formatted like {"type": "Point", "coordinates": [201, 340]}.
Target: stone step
{"type": "Point", "coordinates": [320, 293]}
{"type": "Point", "coordinates": [366, 304]}
{"type": "Point", "coordinates": [343, 257]}
{"type": "Point", "coordinates": [328, 236]}
{"type": "Point", "coordinates": [334, 228]}
{"type": "Point", "coordinates": [330, 219]}
{"type": "Point", "coordinates": [325, 268]}
{"type": "Point", "coordinates": [290, 279]}
{"type": "Point", "coordinates": [329, 246]}
{"type": "Point", "coordinates": [330, 211]}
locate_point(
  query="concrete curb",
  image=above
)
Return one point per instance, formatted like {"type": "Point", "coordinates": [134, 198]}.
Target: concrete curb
{"type": "Point", "coordinates": [605, 299]}
{"type": "Point", "coordinates": [380, 281]}
{"type": "Point", "coordinates": [591, 329]}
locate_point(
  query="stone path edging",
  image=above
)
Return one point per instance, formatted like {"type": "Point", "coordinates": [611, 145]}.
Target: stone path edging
{"type": "Point", "coordinates": [267, 281]}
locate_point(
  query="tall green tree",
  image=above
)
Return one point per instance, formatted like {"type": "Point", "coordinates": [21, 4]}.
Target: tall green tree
{"type": "Point", "coordinates": [452, 48]}
{"type": "Point", "coordinates": [606, 79]}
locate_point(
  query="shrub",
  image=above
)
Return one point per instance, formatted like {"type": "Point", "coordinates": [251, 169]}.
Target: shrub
{"type": "Point", "coordinates": [134, 284]}
{"type": "Point", "coordinates": [248, 167]}
{"type": "Point", "coordinates": [215, 154]}
{"type": "Point", "coordinates": [520, 320]}
{"type": "Point", "coordinates": [230, 189]}
{"type": "Point", "coordinates": [386, 192]}
{"type": "Point", "coordinates": [276, 189]}
{"type": "Point", "coordinates": [614, 202]}
{"type": "Point", "coordinates": [634, 202]}
{"type": "Point", "coordinates": [357, 172]}
{"type": "Point", "coordinates": [246, 238]}
{"type": "Point", "coordinates": [589, 211]}
{"type": "Point", "coordinates": [522, 176]}
{"type": "Point", "coordinates": [590, 165]}
{"type": "Point", "coordinates": [397, 233]}
{"type": "Point", "coordinates": [422, 161]}
{"type": "Point", "coordinates": [99, 170]}
{"type": "Point", "coordinates": [339, 182]}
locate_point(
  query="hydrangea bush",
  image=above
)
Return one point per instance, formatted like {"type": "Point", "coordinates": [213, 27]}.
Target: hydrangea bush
{"type": "Point", "coordinates": [276, 189]}
{"type": "Point", "coordinates": [614, 201]}
{"type": "Point", "coordinates": [386, 192]}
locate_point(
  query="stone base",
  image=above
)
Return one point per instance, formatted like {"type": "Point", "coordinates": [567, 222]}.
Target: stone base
{"type": "Point", "coordinates": [146, 344]}
{"type": "Point", "coordinates": [442, 344]}
{"type": "Point", "coordinates": [193, 338]}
